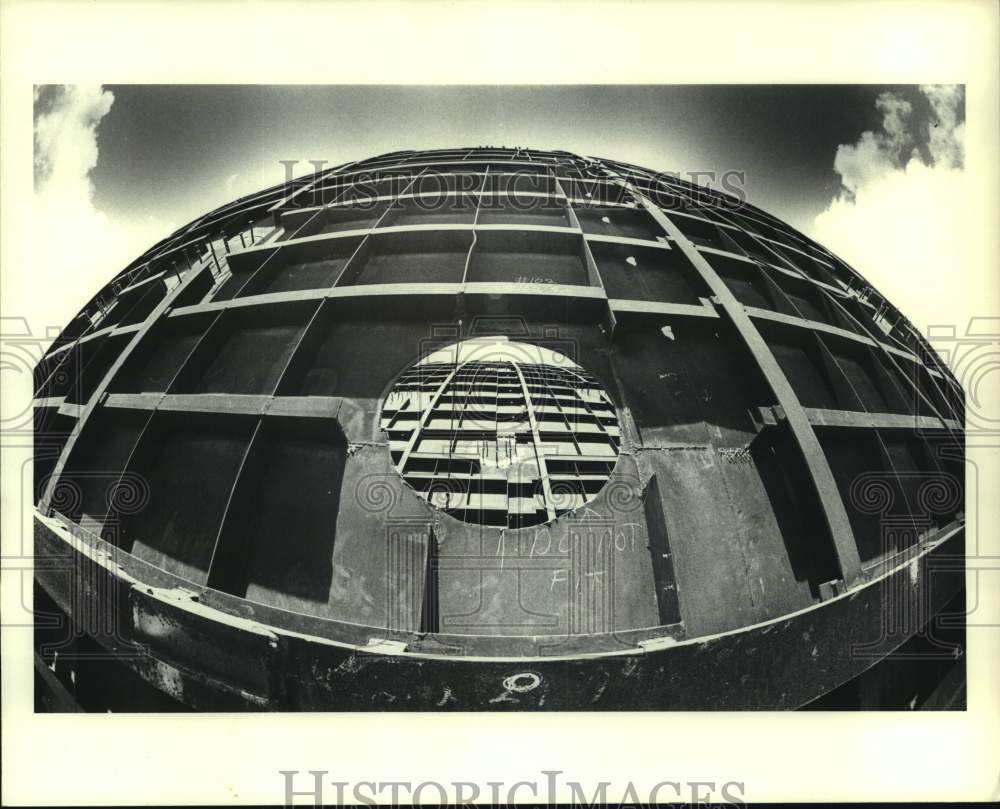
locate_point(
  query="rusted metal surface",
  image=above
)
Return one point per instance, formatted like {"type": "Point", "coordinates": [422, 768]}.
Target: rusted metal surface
{"type": "Point", "coordinates": [210, 659]}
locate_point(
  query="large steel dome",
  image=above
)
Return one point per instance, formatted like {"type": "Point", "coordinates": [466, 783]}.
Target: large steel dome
{"type": "Point", "coordinates": [494, 428]}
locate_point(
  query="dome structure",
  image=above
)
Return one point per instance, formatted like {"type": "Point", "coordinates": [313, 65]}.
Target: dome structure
{"type": "Point", "coordinates": [494, 428]}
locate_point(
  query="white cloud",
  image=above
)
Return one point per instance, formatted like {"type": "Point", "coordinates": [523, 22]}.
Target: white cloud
{"type": "Point", "coordinates": [77, 248]}
{"type": "Point", "coordinates": [947, 136]}
{"type": "Point", "coordinates": [900, 219]}
{"type": "Point", "coordinates": [876, 153]}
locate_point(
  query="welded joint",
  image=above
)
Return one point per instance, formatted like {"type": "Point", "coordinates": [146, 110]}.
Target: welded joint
{"type": "Point", "coordinates": [830, 589]}
{"type": "Point", "coordinates": [765, 417]}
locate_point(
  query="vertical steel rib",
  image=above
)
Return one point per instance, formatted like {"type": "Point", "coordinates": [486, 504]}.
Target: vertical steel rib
{"type": "Point", "coordinates": [425, 415]}
{"type": "Point", "coordinates": [536, 439]}
{"type": "Point", "coordinates": [831, 503]}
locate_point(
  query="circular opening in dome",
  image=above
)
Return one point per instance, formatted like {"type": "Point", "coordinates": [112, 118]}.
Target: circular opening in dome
{"type": "Point", "coordinates": [502, 433]}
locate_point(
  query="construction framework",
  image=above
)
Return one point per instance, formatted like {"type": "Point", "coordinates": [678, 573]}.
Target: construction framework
{"type": "Point", "coordinates": [752, 446]}
{"type": "Point", "coordinates": [454, 448]}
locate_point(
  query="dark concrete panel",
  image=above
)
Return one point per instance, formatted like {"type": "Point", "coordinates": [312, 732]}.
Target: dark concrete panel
{"type": "Point", "coordinates": [155, 363]}
{"type": "Point", "coordinates": [292, 277]}
{"type": "Point", "coordinates": [612, 221]}
{"type": "Point", "coordinates": [688, 389]}
{"type": "Point", "coordinates": [96, 463]}
{"type": "Point", "coordinates": [277, 545]}
{"type": "Point", "coordinates": [98, 365]}
{"type": "Point", "coordinates": [805, 373]}
{"type": "Point", "coordinates": [190, 469]}
{"type": "Point", "coordinates": [866, 486]}
{"type": "Point", "coordinates": [648, 274]}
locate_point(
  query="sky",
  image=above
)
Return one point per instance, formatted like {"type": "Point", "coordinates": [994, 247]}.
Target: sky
{"type": "Point", "coordinates": [872, 172]}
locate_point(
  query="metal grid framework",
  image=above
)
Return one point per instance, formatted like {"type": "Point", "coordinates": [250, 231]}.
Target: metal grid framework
{"type": "Point", "coordinates": [221, 324]}
{"type": "Point", "coordinates": [504, 442]}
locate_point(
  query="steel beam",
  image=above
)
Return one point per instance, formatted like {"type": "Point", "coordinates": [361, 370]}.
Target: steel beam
{"type": "Point", "coordinates": [830, 500]}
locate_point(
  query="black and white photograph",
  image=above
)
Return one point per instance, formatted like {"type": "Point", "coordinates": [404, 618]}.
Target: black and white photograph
{"type": "Point", "coordinates": [494, 427]}
{"type": "Point", "coordinates": [399, 400]}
